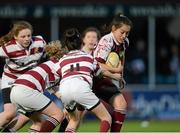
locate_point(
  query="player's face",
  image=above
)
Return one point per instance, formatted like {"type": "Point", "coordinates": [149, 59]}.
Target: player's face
{"type": "Point", "coordinates": [121, 33]}
{"type": "Point", "coordinates": [24, 37]}
{"type": "Point", "coordinates": [90, 40]}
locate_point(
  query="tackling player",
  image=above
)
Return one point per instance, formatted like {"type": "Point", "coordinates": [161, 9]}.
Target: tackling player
{"type": "Point", "coordinates": [27, 92]}
{"type": "Point", "coordinates": [76, 70]}
{"type": "Point", "coordinates": [90, 38]}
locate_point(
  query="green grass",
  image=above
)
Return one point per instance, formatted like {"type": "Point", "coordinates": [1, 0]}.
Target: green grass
{"type": "Point", "coordinates": [130, 126]}
{"type": "Point", "coordinates": [136, 126]}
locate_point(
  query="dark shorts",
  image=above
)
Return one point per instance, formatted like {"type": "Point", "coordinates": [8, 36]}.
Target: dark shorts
{"type": "Point", "coordinates": [105, 89]}
{"type": "Point", "coordinates": [6, 95]}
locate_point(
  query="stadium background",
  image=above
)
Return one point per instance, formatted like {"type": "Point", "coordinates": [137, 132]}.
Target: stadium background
{"type": "Point", "coordinates": [152, 67]}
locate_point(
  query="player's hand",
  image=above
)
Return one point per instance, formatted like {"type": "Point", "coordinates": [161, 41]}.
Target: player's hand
{"type": "Point", "coordinates": [119, 68]}
{"type": "Point", "coordinates": [122, 83]}
{"type": "Point", "coordinates": [117, 76]}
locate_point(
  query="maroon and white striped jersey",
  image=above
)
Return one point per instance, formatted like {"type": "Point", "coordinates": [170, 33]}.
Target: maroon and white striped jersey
{"type": "Point", "coordinates": [19, 59]}
{"type": "Point", "coordinates": [77, 64]}
{"type": "Point", "coordinates": [39, 78]}
{"type": "Point", "coordinates": [108, 44]}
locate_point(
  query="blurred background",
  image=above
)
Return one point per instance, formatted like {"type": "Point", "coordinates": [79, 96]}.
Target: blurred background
{"type": "Point", "coordinates": [152, 69]}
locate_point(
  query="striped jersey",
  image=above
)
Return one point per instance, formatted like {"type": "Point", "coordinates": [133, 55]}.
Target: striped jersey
{"type": "Point", "coordinates": [38, 78]}
{"type": "Point", "coordinates": [77, 64]}
{"type": "Point", "coordinates": [20, 59]}
{"type": "Point", "coordinates": [108, 44]}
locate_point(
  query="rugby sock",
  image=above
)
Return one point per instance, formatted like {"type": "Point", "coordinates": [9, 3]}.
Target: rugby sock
{"type": "Point", "coordinates": [117, 121]}
{"type": "Point", "coordinates": [63, 125]}
{"type": "Point", "coordinates": [104, 127]}
{"type": "Point", "coordinates": [49, 124]}
{"type": "Point", "coordinates": [70, 130]}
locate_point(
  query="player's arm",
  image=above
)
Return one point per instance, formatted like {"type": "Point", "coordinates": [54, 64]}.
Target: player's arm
{"type": "Point", "coordinates": [112, 69]}
{"type": "Point", "coordinates": [108, 60]}
{"type": "Point", "coordinates": [115, 76]}
{"type": "Point", "coordinates": [101, 71]}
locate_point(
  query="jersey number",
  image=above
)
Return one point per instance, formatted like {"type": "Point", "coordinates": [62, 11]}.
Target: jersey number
{"type": "Point", "coordinates": [74, 67]}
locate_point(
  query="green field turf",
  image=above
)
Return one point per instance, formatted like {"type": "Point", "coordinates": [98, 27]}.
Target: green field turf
{"type": "Point", "coordinates": [130, 126]}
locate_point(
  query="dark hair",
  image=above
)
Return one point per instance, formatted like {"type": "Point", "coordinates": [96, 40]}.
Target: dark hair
{"type": "Point", "coordinates": [118, 20]}
{"type": "Point", "coordinates": [72, 39]}
{"type": "Point", "coordinates": [89, 29]}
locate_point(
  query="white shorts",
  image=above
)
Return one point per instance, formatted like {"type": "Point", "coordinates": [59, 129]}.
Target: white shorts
{"type": "Point", "coordinates": [28, 100]}
{"type": "Point", "coordinates": [79, 91]}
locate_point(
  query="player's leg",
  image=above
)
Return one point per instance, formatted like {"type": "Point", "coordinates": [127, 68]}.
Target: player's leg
{"type": "Point", "coordinates": [37, 121]}
{"type": "Point", "coordinates": [119, 113]}
{"type": "Point", "coordinates": [55, 117]}
{"type": "Point", "coordinates": [74, 120]}
{"type": "Point", "coordinates": [30, 100]}
{"type": "Point", "coordinates": [9, 111]}
{"type": "Point", "coordinates": [101, 112]}
{"type": "Point", "coordinates": [111, 94]}
{"type": "Point", "coordinates": [67, 99]}
{"type": "Point", "coordinates": [63, 125]}
{"type": "Point", "coordinates": [7, 115]}
{"type": "Point", "coordinates": [82, 113]}
{"type": "Point", "coordinates": [66, 123]}
{"type": "Point", "coordinates": [21, 121]}
{"type": "Point", "coordinates": [59, 103]}
{"type": "Point", "coordinates": [17, 123]}
{"type": "Point", "coordinates": [90, 101]}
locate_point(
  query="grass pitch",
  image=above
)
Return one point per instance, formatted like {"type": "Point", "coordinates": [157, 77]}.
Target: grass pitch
{"type": "Point", "coordinates": [130, 126]}
{"type": "Point", "coordinates": [136, 126]}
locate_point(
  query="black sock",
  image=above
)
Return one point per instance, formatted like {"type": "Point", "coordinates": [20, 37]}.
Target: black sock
{"type": "Point", "coordinates": [63, 125]}
{"type": "Point", "coordinates": [5, 130]}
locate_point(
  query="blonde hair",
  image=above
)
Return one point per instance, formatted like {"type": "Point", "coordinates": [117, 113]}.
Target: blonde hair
{"type": "Point", "coordinates": [16, 28]}
{"type": "Point", "coordinates": [55, 49]}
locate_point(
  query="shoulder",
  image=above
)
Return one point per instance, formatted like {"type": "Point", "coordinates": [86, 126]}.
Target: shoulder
{"type": "Point", "coordinates": [106, 40]}
{"type": "Point", "coordinates": [11, 42]}
{"type": "Point", "coordinates": [37, 39]}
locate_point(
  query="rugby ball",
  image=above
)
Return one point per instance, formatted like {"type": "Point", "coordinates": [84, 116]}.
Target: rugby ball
{"type": "Point", "coordinates": [113, 59]}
